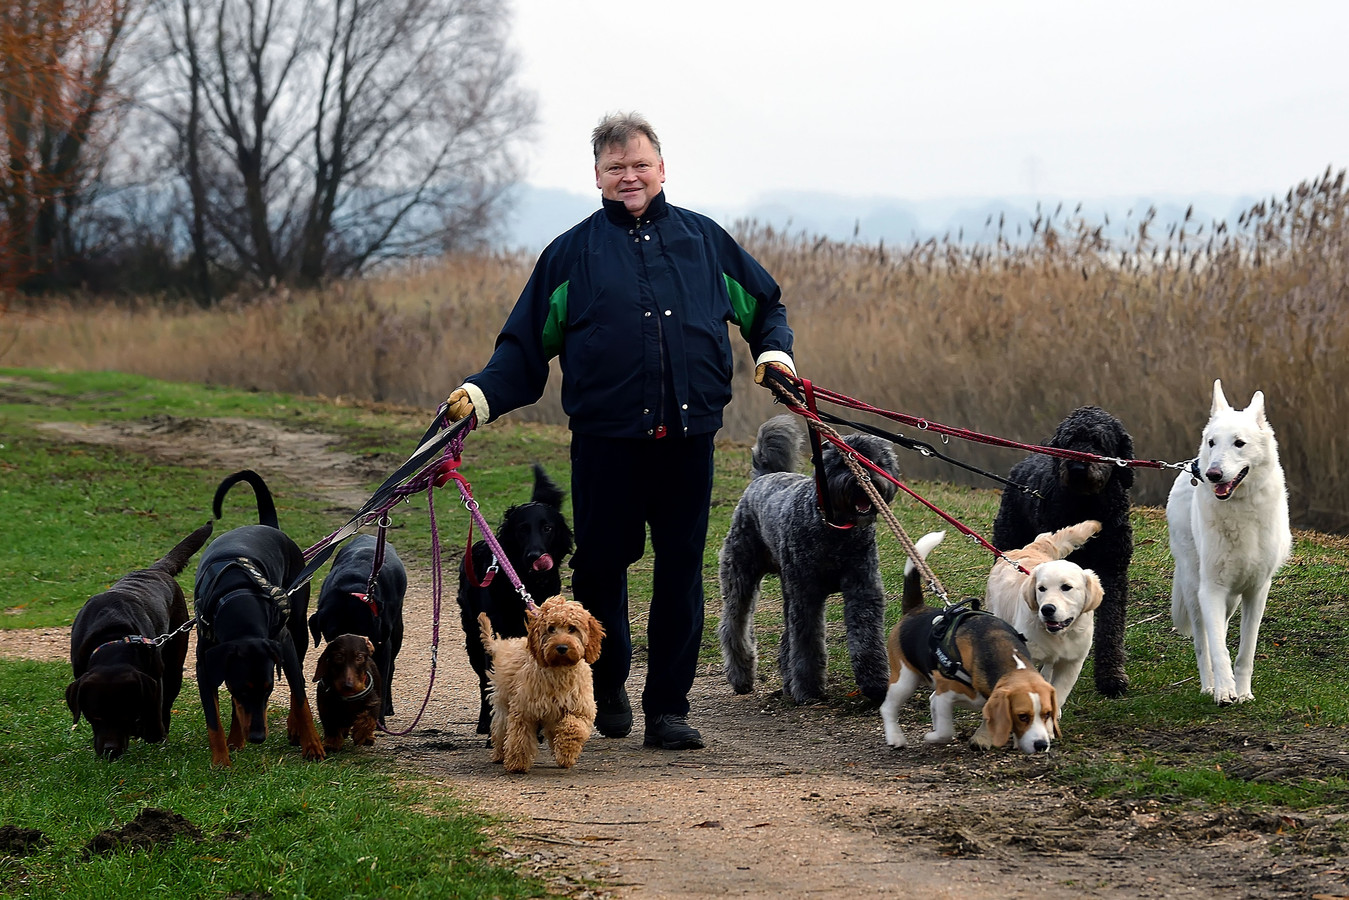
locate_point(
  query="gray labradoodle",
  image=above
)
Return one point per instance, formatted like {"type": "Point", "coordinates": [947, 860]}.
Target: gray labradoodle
{"type": "Point", "coordinates": [777, 527]}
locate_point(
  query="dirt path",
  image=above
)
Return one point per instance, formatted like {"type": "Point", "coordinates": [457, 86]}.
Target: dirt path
{"type": "Point", "coordinates": [789, 801]}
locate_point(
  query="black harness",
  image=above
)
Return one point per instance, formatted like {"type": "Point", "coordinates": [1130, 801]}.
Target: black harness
{"type": "Point", "coordinates": [942, 638]}
{"type": "Point", "coordinates": [207, 613]}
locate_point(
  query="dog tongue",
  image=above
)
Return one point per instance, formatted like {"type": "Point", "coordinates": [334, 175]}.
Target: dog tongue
{"type": "Point", "coordinates": [543, 563]}
{"type": "Point", "coordinates": [1224, 490]}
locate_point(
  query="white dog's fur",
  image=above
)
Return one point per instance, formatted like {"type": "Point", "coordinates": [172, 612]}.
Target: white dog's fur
{"type": "Point", "coordinates": [1229, 535]}
{"type": "Point", "coordinates": [1054, 606]}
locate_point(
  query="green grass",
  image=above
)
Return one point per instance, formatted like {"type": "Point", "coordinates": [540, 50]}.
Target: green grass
{"type": "Point", "coordinates": [87, 514]}
{"type": "Point", "coordinates": [272, 825]}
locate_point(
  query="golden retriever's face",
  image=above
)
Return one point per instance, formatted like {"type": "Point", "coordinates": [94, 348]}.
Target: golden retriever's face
{"type": "Point", "coordinates": [1059, 591]}
{"type": "Point", "coordinates": [563, 633]}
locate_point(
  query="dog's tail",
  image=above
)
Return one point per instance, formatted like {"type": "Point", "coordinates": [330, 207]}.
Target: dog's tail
{"type": "Point", "coordinates": [545, 491]}
{"type": "Point", "coordinates": [485, 632]}
{"type": "Point", "coordinates": [266, 508]}
{"type": "Point", "coordinates": [913, 582]}
{"type": "Point", "coordinates": [778, 446]}
{"type": "Point", "coordinates": [176, 559]}
{"type": "Point", "coordinates": [1067, 540]}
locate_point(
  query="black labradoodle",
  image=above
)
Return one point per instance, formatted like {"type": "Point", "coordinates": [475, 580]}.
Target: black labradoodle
{"type": "Point", "coordinates": [777, 527]}
{"type": "Point", "coordinates": [1075, 491]}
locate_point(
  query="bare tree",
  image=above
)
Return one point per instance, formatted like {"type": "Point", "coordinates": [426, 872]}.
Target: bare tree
{"type": "Point", "coordinates": [56, 112]}
{"type": "Point", "coordinates": [317, 137]}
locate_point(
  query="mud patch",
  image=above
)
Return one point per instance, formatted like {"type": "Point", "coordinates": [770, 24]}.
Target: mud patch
{"type": "Point", "coordinates": [15, 841]}
{"type": "Point", "coordinates": [150, 828]}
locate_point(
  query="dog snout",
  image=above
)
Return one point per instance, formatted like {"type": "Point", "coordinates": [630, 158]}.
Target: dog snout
{"type": "Point", "coordinates": [1214, 474]}
{"type": "Point", "coordinates": [1048, 611]}
{"type": "Point", "coordinates": [1041, 745]}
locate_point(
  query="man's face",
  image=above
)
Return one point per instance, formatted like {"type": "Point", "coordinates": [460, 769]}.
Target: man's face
{"type": "Point", "coordinates": [632, 174]}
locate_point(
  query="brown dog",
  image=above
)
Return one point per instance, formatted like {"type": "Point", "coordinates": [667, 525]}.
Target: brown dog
{"type": "Point", "coordinates": [125, 683]}
{"type": "Point", "coordinates": [349, 699]}
{"type": "Point", "coordinates": [543, 680]}
{"type": "Point", "coordinates": [969, 657]}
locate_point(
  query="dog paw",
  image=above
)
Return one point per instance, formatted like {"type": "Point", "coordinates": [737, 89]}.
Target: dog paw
{"type": "Point", "coordinates": [937, 737]}
{"type": "Point", "coordinates": [1113, 685]}
{"type": "Point", "coordinates": [895, 737]}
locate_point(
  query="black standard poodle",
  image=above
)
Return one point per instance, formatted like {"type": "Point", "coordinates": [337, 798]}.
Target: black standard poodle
{"type": "Point", "coordinates": [1074, 491]}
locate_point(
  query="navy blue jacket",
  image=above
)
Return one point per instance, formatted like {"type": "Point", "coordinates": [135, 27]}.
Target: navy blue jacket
{"type": "Point", "coordinates": [637, 312]}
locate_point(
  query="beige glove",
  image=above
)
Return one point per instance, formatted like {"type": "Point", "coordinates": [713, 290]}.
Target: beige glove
{"type": "Point", "coordinates": [460, 406]}
{"type": "Point", "coordinates": [762, 367]}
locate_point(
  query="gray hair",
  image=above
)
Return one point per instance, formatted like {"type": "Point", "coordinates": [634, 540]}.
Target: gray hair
{"type": "Point", "coordinates": [617, 129]}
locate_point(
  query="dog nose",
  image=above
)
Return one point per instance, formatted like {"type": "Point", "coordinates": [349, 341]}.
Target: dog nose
{"type": "Point", "coordinates": [1041, 746]}
{"type": "Point", "coordinates": [1214, 474]}
{"type": "Point", "coordinates": [1048, 610]}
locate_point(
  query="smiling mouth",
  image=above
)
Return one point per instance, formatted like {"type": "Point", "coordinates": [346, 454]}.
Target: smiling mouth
{"type": "Point", "coordinates": [1225, 490]}
{"type": "Point", "coordinates": [1056, 627]}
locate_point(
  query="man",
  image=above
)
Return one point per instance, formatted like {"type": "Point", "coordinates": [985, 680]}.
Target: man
{"type": "Point", "coordinates": [635, 302]}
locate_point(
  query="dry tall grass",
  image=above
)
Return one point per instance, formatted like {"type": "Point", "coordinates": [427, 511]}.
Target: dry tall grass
{"type": "Point", "coordinates": [1003, 337]}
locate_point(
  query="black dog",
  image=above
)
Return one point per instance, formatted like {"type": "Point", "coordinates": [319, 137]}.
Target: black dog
{"type": "Point", "coordinates": [246, 628]}
{"type": "Point", "coordinates": [535, 538]}
{"type": "Point", "coordinates": [125, 683]}
{"type": "Point", "coordinates": [346, 608]}
{"type": "Point", "coordinates": [1073, 492]}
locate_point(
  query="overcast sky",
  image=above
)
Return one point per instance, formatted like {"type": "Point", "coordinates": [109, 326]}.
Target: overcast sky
{"type": "Point", "coordinates": [1072, 100]}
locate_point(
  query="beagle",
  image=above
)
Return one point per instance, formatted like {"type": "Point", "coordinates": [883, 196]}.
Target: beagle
{"type": "Point", "coordinates": [970, 657]}
{"type": "Point", "coordinates": [1053, 606]}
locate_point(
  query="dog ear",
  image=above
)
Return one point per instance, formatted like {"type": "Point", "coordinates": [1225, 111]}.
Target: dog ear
{"type": "Point", "coordinates": [1028, 591]}
{"type": "Point", "coordinates": [594, 637]}
{"type": "Point", "coordinates": [534, 626]}
{"type": "Point", "coordinates": [321, 669]}
{"type": "Point", "coordinates": [1220, 403]}
{"type": "Point", "coordinates": [1257, 409]}
{"type": "Point", "coordinates": [998, 717]}
{"type": "Point", "coordinates": [73, 701]}
{"type": "Point", "coordinates": [1095, 592]}
{"type": "Point", "coordinates": [1054, 705]}
{"type": "Point", "coordinates": [369, 647]}
{"type": "Point", "coordinates": [152, 712]}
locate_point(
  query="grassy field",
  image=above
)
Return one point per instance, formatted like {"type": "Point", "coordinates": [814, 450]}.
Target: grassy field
{"type": "Point", "coordinates": [282, 827]}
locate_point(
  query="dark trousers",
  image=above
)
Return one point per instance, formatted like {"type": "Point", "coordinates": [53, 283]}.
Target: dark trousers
{"type": "Point", "coordinates": [618, 488]}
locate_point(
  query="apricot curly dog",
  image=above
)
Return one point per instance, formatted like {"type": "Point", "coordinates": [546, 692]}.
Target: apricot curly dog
{"type": "Point", "coordinates": [543, 681]}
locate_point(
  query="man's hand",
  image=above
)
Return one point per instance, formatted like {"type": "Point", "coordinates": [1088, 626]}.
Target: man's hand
{"type": "Point", "coordinates": [460, 406]}
{"type": "Point", "coordinates": [763, 367]}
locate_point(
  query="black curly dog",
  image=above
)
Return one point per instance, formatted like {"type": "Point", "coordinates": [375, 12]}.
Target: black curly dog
{"type": "Point", "coordinates": [1075, 491]}
{"type": "Point", "coordinates": [536, 538]}
{"type": "Point", "coordinates": [777, 527]}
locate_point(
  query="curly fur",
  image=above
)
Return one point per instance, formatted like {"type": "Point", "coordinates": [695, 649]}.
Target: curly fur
{"type": "Point", "coordinates": [543, 681]}
{"type": "Point", "coordinates": [1073, 492]}
{"type": "Point", "coordinates": [777, 528]}
{"type": "Point", "coordinates": [536, 539]}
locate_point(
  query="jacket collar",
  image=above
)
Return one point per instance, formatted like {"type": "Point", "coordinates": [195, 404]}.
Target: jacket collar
{"type": "Point", "coordinates": [617, 213]}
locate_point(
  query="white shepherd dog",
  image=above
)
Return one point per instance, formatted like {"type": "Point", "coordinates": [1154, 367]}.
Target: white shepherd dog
{"type": "Point", "coordinates": [1229, 535]}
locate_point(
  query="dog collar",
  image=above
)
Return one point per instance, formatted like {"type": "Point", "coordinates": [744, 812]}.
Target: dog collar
{"type": "Point", "coordinates": [129, 639]}
{"type": "Point", "coordinates": [1194, 472]}
{"type": "Point", "coordinates": [360, 695]}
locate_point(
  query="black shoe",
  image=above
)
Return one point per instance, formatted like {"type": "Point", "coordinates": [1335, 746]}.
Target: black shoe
{"type": "Point", "coordinates": [614, 714]}
{"type": "Point", "coordinates": [672, 732]}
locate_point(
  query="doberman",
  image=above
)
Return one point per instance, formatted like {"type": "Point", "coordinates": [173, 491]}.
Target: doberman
{"type": "Point", "coordinates": [247, 627]}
